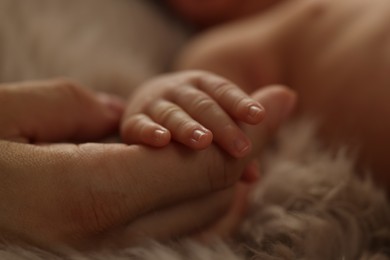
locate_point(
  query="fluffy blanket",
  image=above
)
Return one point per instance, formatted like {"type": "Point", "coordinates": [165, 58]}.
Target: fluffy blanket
{"type": "Point", "coordinates": [309, 205]}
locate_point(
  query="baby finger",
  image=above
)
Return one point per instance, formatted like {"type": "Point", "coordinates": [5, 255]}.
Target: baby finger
{"type": "Point", "coordinates": [208, 112]}
{"type": "Point", "coordinates": [140, 128]}
{"type": "Point", "coordinates": [182, 126]}
{"type": "Point", "coordinates": [232, 99]}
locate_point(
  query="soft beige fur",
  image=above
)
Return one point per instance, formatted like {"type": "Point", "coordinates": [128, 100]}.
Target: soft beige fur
{"type": "Point", "coordinates": [309, 205]}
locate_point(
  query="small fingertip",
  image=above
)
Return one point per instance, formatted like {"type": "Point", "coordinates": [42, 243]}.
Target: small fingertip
{"type": "Point", "coordinates": [255, 113]}
{"type": "Point", "coordinates": [201, 138]}
{"type": "Point", "coordinates": [161, 137]}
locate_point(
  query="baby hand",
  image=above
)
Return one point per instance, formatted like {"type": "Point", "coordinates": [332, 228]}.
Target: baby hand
{"type": "Point", "coordinates": [193, 108]}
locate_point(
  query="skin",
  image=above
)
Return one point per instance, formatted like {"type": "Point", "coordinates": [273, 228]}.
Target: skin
{"type": "Point", "coordinates": [193, 108]}
{"type": "Point", "coordinates": [335, 54]}
{"type": "Point", "coordinates": [57, 193]}
{"type": "Point", "coordinates": [211, 12]}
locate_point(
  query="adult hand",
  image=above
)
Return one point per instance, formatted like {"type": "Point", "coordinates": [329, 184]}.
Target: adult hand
{"type": "Point", "coordinates": [79, 195]}
{"type": "Point", "coordinates": [211, 163]}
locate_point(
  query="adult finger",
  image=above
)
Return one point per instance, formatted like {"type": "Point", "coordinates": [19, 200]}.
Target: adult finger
{"type": "Point", "coordinates": [69, 193]}
{"type": "Point", "coordinates": [56, 110]}
{"type": "Point", "coordinates": [229, 223]}
{"type": "Point", "coordinates": [179, 220]}
{"type": "Point", "coordinates": [279, 102]}
{"type": "Point", "coordinates": [82, 190]}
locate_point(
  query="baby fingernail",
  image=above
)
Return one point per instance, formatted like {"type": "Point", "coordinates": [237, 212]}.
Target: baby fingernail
{"type": "Point", "coordinates": [198, 134]}
{"type": "Point", "coordinates": [254, 112]}
{"type": "Point", "coordinates": [159, 134]}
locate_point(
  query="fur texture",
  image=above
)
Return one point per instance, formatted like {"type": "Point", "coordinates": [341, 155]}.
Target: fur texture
{"type": "Point", "coordinates": [310, 204]}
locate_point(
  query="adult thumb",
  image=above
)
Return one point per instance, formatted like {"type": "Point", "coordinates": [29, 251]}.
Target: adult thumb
{"type": "Point", "coordinates": [279, 103]}
{"type": "Point", "coordinates": [56, 110]}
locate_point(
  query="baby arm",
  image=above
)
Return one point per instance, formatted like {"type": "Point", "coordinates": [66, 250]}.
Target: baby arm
{"type": "Point", "coordinates": [193, 108]}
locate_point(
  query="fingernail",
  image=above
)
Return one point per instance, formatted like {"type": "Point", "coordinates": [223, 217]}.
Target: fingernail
{"type": "Point", "coordinates": [198, 134]}
{"type": "Point", "coordinates": [241, 146]}
{"type": "Point", "coordinates": [254, 112]}
{"type": "Point", "coordinates": [159, 134]}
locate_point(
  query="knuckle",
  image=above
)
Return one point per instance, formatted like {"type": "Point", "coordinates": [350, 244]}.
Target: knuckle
{"type": "Point", "coordinates": [197, 75]}
{"type": "Point", "coordinates": [177, 93]}
{"type": "Point", "coordinates": [203, 75]}
{"type": "Point", "coordinates": [202, 104]}
{"type": "Point", "coordinates": [186, 127]}
{"type": "Point", "coordinates": [225, 90]}
{"type": "Point", "coordinates": [222, 87]}
{"type": "Point", "coordinates": [217, 83]}
{"type": "Point", "coordinates": [129, 125]}
{"type": "Point", "coordinates": [134, 120]}
{"type": "Point", "coordinates": [167, 114]}
{"type": "Point", "coordinates": [185, 95]}
{"type": "Point", "coordinates": [229, 92]}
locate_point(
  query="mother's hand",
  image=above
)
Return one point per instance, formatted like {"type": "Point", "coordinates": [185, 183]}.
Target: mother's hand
{"type": "Point", "coordinates": [64, 193]}
{"type": "Point", "coordinates": [80, 195]}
